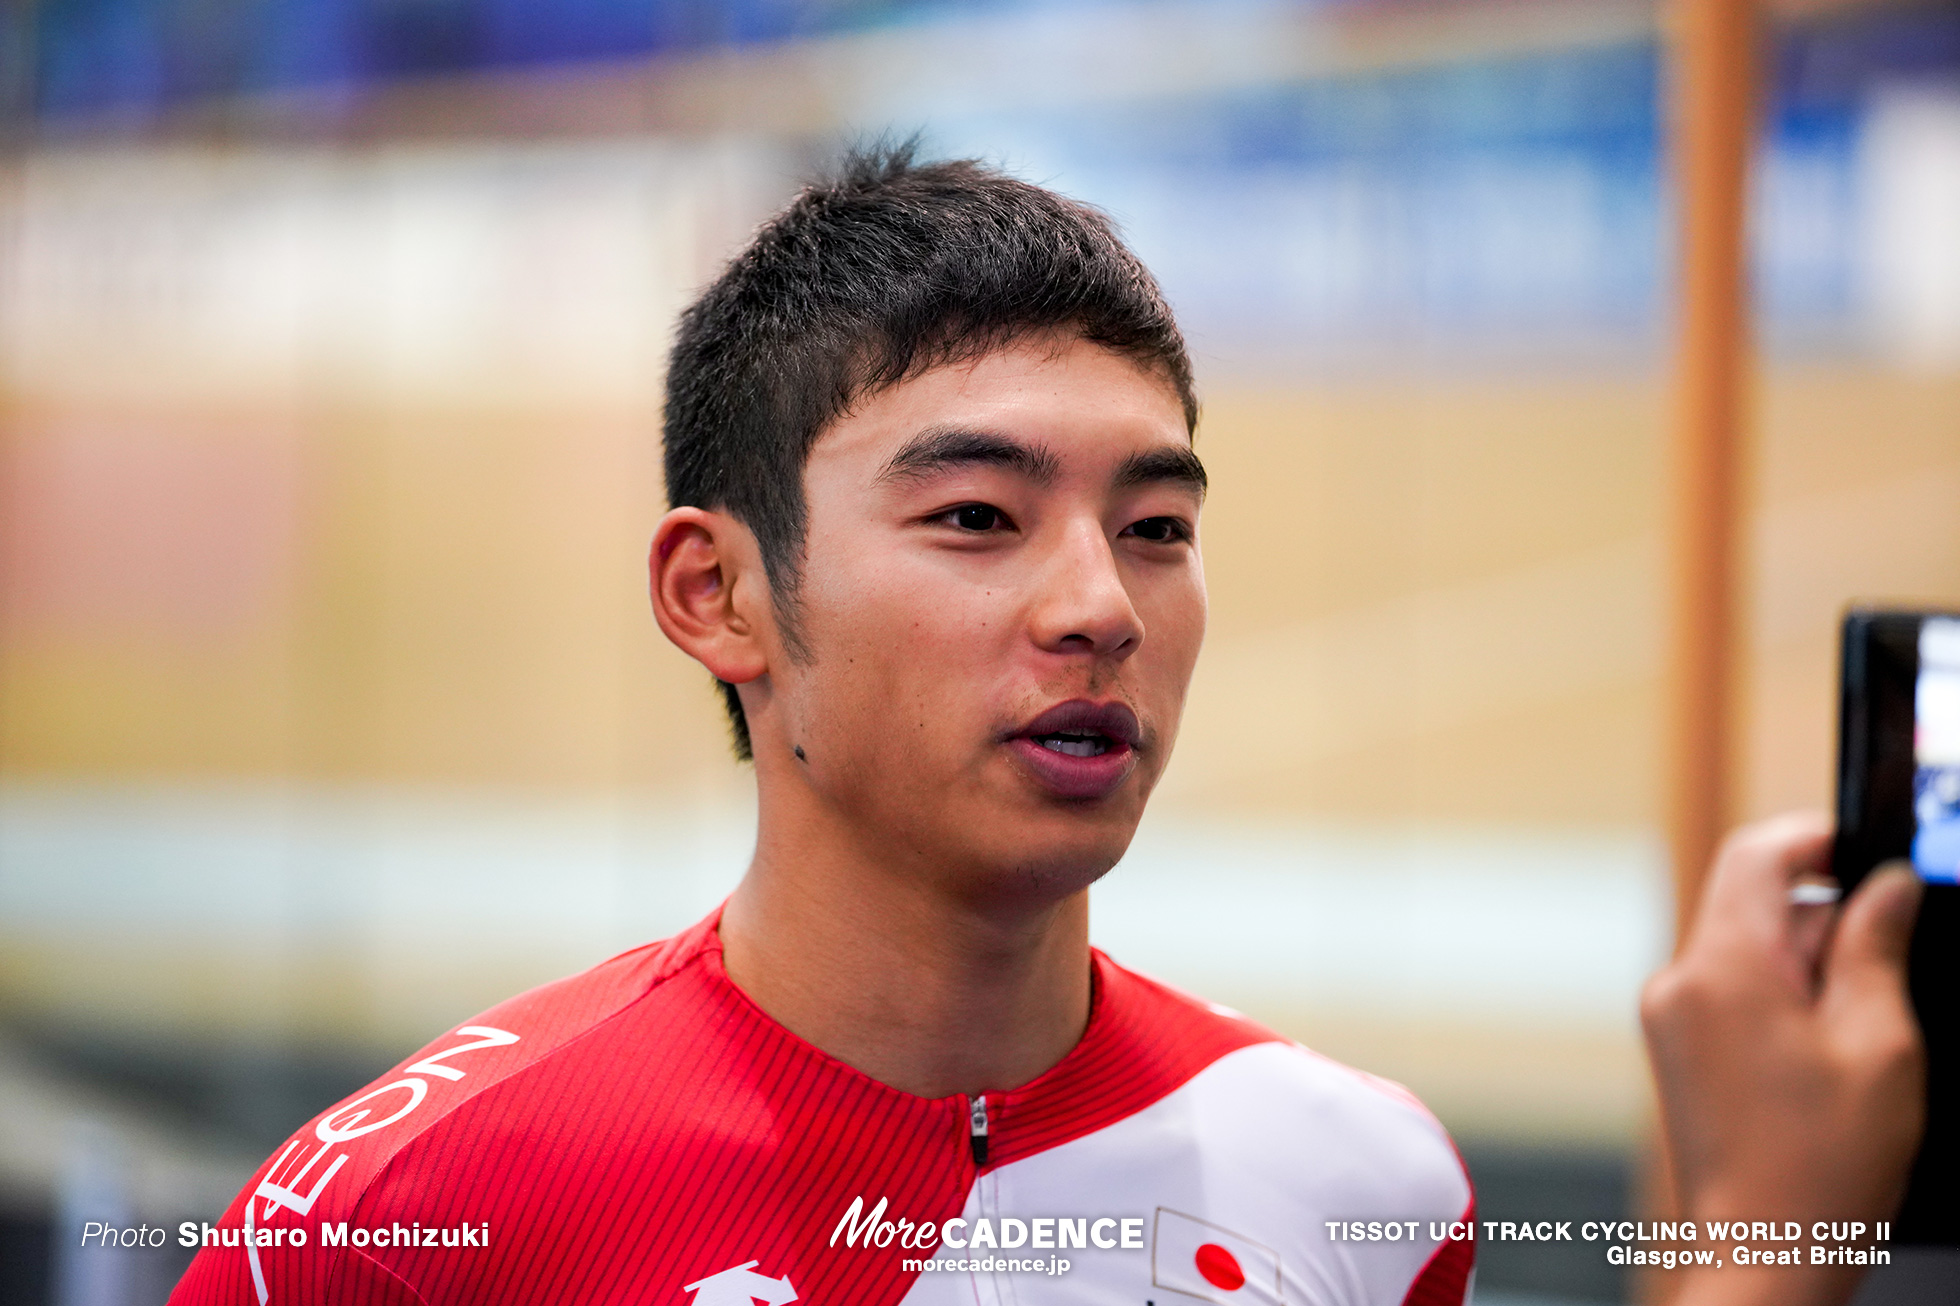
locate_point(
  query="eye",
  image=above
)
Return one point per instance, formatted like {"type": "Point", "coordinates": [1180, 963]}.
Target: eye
{"type": "Point", "coordinates": [1159, 530]}
{"type": "Point", "coordinates": [976, 517]}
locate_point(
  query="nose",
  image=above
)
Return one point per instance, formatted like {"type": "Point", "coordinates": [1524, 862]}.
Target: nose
{"type": "Point", "coordinates": [1085, 606]}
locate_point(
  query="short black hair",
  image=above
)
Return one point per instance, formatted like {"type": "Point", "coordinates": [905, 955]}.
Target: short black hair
{"type": "Point", "coordinates": [883, 271]}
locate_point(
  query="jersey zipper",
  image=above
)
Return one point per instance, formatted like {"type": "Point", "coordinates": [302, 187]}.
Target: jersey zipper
{"type": "Point", "coordinates": [977, 1128]}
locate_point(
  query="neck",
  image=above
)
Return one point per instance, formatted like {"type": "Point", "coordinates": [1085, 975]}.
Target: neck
{"type": "Point", "coordinates": [890, 970]}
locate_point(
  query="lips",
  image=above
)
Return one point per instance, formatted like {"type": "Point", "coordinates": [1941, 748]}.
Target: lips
{"type": "Point", "coordinates": [1079, 749]}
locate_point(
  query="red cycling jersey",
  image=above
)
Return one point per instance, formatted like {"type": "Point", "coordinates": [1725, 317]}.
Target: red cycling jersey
{"type": "Point", "coordinates": [642, 1133]}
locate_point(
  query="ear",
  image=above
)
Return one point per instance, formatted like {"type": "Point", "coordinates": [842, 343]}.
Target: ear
{"type": "Point", "coordinates": [710, 593]}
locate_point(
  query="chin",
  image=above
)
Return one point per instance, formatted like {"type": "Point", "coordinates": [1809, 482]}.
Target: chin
{"type": "Point", "coordinates": [1065, 853]}
{"type": "Point", "coordinates": [1012, 839]}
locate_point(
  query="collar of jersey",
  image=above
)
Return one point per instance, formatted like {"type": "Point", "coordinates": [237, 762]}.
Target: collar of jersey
{"type": "Point", "coordinates": [1144, 1040]}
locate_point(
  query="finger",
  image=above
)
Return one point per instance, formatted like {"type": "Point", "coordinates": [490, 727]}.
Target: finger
{"type": "Point", "coordinates": [1865, 971]}
{"type": "Point", "coordinates": [1810, 933]}
{"type": "Point", "coordinates": [1748, 896]}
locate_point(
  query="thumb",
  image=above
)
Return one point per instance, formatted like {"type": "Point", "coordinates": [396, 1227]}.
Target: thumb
{"type": "Point", "coordinates": [1867, 961]}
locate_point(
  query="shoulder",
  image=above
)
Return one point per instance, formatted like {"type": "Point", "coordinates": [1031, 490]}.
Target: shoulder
{"type": "Point", "coordinates": [1364, 1137]}
{"type": "Point", "coordinates": [1251, 1142]}
{"type": "Point", "coordinates": [503, 1046]}
{"type": "Point", "coordinates": [1255, 1096]}
{"type": "Point", "coordinates": [308, 1191]}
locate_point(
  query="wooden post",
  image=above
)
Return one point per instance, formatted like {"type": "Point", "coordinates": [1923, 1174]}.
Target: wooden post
{"type": "Point", "coordinates": [1714, 118]}
{"type": "Point", "coordinates": [1712, 121]}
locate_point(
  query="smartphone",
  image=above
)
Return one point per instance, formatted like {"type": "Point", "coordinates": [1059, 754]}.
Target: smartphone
{"type": "Point", "coordinates": [1899, 797]}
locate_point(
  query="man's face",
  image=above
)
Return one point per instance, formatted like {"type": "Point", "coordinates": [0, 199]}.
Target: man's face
{"type": "Point", "coordinates": [1001, 605]}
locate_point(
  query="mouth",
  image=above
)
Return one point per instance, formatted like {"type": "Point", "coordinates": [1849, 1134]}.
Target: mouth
{"type": "Point", "coordinates": [1079, 749]}
{"type": "Point", "coordinates": [1072, 744]}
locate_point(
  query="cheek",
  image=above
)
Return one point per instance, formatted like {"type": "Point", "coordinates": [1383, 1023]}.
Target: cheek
{"type": "Point", "coordinates": [1174, 622]}
{"type": "Point", "coordinates": [905, 648]}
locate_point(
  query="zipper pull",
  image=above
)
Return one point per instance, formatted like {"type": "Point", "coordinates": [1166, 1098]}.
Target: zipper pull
{"type": "Point", "coordinates": [977, 1120]}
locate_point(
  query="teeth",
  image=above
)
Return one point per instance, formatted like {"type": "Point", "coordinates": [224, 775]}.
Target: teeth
{"type": "Point", "coordinates": [1075, 745]}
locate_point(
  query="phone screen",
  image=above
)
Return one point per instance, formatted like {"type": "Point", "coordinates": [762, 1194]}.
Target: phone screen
{"type": "Point", "coordinates": [1936, 753]}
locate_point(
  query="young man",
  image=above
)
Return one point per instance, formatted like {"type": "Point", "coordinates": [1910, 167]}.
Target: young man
{"type": "Point", "coordinates": [929, 445]}
{"type": "Point", "coordinates": [929, 442]}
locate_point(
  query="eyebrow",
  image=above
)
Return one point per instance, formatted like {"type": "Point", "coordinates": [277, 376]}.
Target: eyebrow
{"type": "Point", "coordinates": [941, 449]}
{"type": "Point", "coordinates": [1160, 466]}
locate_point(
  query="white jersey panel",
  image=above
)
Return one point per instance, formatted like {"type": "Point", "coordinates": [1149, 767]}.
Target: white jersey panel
{"type": "Point", "coordinates": [1235, 1175]}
